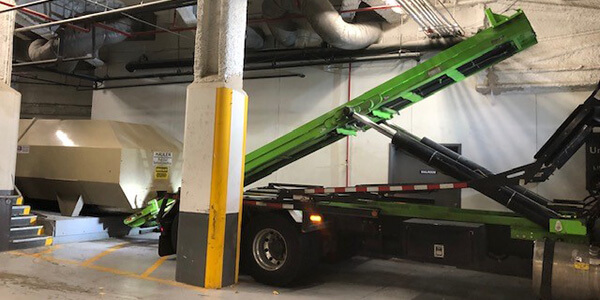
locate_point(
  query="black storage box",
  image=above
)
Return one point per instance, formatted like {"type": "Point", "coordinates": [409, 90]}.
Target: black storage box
{"type": "Point", "coordinates": [444, 242]}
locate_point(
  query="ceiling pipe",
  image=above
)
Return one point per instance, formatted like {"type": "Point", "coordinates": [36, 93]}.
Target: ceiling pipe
{"type": "Point", "coordinates": [23, 8]}
{"type": "Point", "coordinates": [299, 16]}
{"type": "Point", "coordinates": [97, 16]}
{"type": "Point", "coordinates": [267, 20]}
{"type": "Point", "coordinates": [185, 82]}
{"type": "Point", "coordinates": [290, 55]}
{"type": "Point", "coordinates": [275, 65]}
{"type": "Point", "coordinates": [16, 7]}
{"type": "Point", "coordinates": [323, 18]}
{"type": "Point", "coordinates": [330, 25]}
{"type": "Point", "coordinates": [284, 31]}
{"type": "Point", "coordinates": [44, 16]}
{"type": "Point", "coordinates": [74, 44]}
{"type": "Point", "coordinates": [254, 40]}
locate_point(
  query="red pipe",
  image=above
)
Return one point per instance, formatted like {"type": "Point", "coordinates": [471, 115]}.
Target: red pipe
{"type": "Point", "coordinates": [371, 8]}
{"type": "Point", "coordinates": [109, 28]}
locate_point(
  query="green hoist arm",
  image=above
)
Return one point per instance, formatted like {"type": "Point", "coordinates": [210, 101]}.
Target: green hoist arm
{"type": "Point", "coordinates": [506, 36]}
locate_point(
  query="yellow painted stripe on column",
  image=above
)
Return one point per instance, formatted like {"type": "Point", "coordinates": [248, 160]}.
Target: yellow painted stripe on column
{"type": "Point", "coordinates": [213, 276]}
{"type": "Point", "coordinates": [239, 229]}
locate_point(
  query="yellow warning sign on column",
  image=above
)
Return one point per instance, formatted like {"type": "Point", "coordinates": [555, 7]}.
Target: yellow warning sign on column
{"type": "Point", "coordinates": [161, 172]}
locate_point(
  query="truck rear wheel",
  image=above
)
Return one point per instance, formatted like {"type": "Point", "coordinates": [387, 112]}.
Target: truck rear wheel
{"type": "Point", "coordinates": [275, 252]}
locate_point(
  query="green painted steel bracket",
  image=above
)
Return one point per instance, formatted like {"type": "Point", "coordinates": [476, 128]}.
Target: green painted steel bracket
{"type": "Point", "coordinates": [346, 131]}
{"type": "Point", "coordinates": [507, 36]}
{"type": "Point", "coordinates": [539, 233]}
{"type": "Point", "coordinates": [495, 19]}
{"type": "Point", "coordinates": [147, 216]}
{"type": "Point", "coordinates": [382, 114]}
{"type": "Point", "coordinates": [568, 226]}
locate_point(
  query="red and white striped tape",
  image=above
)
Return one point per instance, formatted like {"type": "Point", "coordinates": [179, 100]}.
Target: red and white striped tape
{"type": "Point", "coordinates": [268, 204]}
{"type": "Point", "coordinates": [386, 188]}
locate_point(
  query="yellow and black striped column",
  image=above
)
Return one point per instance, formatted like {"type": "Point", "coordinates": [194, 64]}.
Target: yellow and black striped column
{"type": "Point", "coordinates": [209, 219]}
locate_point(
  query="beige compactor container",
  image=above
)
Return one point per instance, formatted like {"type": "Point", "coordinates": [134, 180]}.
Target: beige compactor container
{"type": "Point", "coordinates": [111, 164]}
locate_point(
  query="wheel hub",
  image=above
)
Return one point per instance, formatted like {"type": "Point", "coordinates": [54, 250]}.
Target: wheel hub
{"type": "Point", "coordinates": [269, 249]}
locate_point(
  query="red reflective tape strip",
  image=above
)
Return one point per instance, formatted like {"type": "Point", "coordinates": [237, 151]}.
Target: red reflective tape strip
{"type": "Point", "coordinates": [274, 205]}
{"type": "Point", "coordinates": [387, 188]}
{"type": "Point", "coordinates": [433, 186]}
{"type": "Point", "coordinates": [250, 202]}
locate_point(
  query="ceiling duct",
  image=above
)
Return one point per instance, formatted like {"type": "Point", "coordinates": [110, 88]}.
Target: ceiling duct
{"type": "Point", "coordinates": [75, 44]}
{"type": "Point", "coordinates": [328, 23]}
{"type": "Point", "coordinates": [324, 19]}
{"type": "Point", "coordinates": [254, 40]}
{"type": "Point", "coordinates": [70, 43]}
{"type": "Point", "coordinates": [283, 30]}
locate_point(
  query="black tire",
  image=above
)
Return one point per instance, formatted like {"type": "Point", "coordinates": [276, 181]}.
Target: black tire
{"type": "Point", "coordinates": [302, 250]}
{"type": "Point", "coordinates": [174, 228]}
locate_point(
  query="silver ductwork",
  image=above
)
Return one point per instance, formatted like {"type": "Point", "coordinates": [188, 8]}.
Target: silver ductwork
{"type": "Point", "coordinates": [254, 40]}
{"type": "Point", "coordinates": [75, 44]}
{"type": "Point", "coordinates": [324, 20]}
{"type": "Point", "coordinates": [284, 31]}
{"type": "Point", "coordinates": [328, 23]}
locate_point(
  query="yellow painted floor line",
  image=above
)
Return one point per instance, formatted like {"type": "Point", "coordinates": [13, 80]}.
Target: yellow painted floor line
{"type": "Point", "coordinates": [87, 264]}
{"type": "Point", "coordinates": [47, 251]}
{"type": "Point", "coordinates": [103, 254]}
{"type": "Point", "coordinates": [155, 266]}
{"type": "Point", "coordinates": [46, 258]}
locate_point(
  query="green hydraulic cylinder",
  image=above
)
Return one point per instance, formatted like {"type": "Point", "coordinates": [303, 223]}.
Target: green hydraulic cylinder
{"type": "Point", "coordinates": [506, 36]}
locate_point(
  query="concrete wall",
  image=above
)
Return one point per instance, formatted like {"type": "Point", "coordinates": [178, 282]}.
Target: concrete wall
{"type": "Point", "coordinates": [54, 102]}
{"type": "Point", "coordinates": [567, 55]}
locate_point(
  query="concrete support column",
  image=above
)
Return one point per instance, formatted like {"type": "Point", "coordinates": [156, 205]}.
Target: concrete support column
{"type": "Point", "coordinates": [214, 149]}
{"type": "Point", "coordinates": [10, 105]}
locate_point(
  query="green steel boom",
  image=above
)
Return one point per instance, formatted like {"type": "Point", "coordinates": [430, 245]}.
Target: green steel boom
{"type": "Point", "coordinates": [505, 37]}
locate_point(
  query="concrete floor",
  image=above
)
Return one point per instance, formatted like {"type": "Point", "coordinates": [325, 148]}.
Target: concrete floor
{"type": "Point", "coordinates": [131, 269]}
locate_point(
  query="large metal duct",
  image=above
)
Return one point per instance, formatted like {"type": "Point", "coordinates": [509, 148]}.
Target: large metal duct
{"type": "Point", "coordinates": [284, 31]}
{"type": "Point", "coordinates": [324, 19]}
{"type": "Point", "coordinates": [328, 23]}
{"type": "Point", "coordinates": [77, 44]}
{"type": "Point", "coordinates": [253, 39]}
{"type": "Point", "coordinates": [72, 43]}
